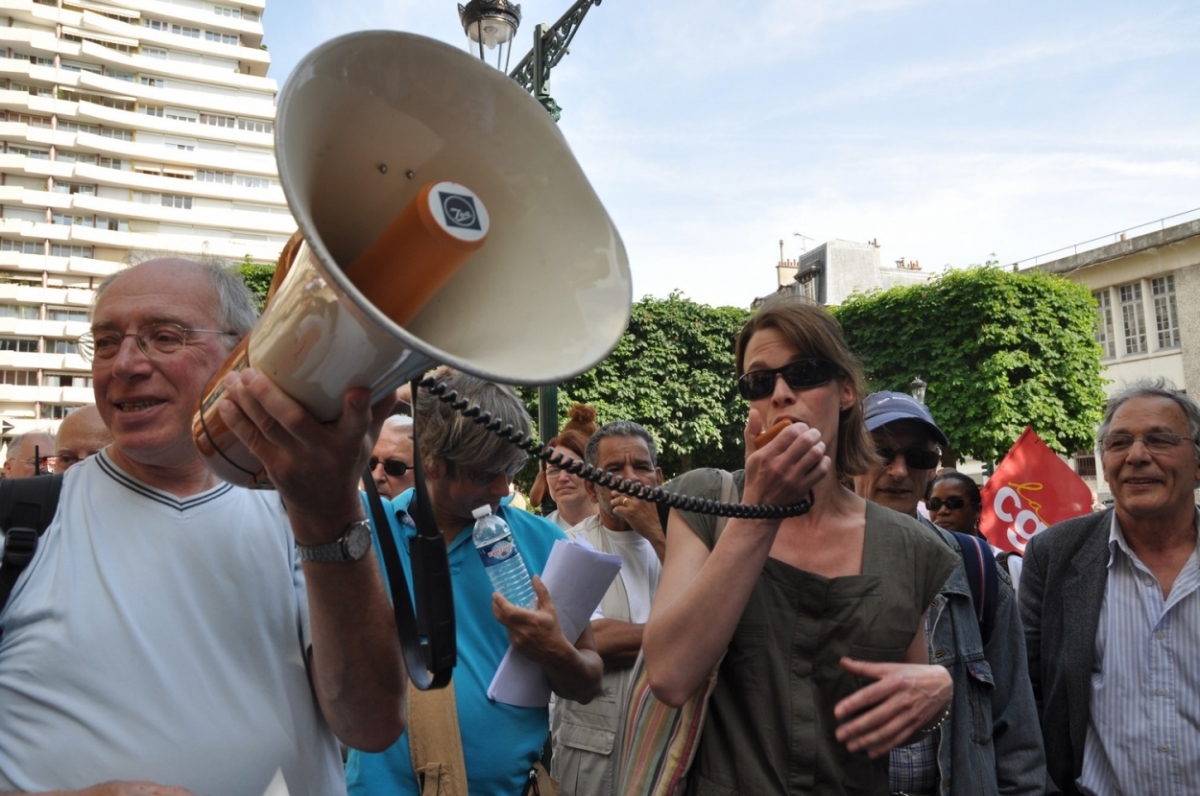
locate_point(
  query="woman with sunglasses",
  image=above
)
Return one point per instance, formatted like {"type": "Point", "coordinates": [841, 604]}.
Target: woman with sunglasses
{"type": "Point", "coordinates": [572, 504]}
{"type": "Point", "coordinates": [954, 502]}
{"type": "Point", "coordinates": [817, 620]}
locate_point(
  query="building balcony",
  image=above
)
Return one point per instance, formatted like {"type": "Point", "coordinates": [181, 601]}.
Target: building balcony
{"type": "Point", "coordinates": [22, 327]}
{"type": "Point", "coordinates": [196, 100]}
{"type": "Point", "coordinates": [215, 160]}
{"type": "Point", "coordinates": [38, 42]}
{"type": "Point", "coordinates": [12, 292]}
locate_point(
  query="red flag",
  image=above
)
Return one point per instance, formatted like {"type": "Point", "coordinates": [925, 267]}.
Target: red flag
{"type": "Point", "coordinates": [1030, 490]}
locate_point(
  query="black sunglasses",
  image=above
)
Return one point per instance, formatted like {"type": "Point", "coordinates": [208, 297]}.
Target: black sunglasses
{"type": "Point", "coordinates": [393, 467]}
{"type": "Point", "coordinates": [954, 503]}
{"type": "Point", "coordinates": [916, 458]}
{"type": "Point", "coordinates": [803, 374]}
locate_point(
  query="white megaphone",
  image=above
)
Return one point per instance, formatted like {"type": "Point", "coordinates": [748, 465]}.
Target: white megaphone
{"type": "Point", "coordinates": [403, 159]}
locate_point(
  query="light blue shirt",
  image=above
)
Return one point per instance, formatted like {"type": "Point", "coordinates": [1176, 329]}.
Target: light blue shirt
{"type": "Point", "coordinates": [1144, 732]}
{"type": "Point", "coordinates": [500, 742]}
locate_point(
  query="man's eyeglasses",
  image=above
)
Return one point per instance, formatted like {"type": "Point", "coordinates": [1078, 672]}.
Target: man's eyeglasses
{"type": "Point", "coordinates": [155, 340]}
{"type": "Point", "coordinates": [954, 503]}
{"type": "Point", "coordinates": [1155, 441]}
{"type": "Point", "coordinates": [916, 458]}
{"type": "Point", "coordinates": [803, 374]}
{"type": "Point", "coordinates": [393, 467]}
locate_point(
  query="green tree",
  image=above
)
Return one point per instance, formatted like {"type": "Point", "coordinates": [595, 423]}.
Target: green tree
{"type": "Point", "coordinates": [673, 372]}
{"type": "Point", "coordinates": [999, 351]}
{"type": "Point", "coordinates": [258, 277]}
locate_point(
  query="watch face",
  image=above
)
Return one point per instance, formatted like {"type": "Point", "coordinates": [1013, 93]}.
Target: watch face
{"type": "Point", "coordinates": [358, 540]}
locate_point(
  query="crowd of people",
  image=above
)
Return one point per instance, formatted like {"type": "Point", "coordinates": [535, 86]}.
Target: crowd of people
{"type": "Point", "coordinates": [176, 635]}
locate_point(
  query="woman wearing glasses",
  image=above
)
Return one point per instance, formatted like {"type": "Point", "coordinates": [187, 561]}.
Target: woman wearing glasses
{"type": "Point", "coordinates": [812, 618]}
{"type": "Point", "coordinates": [954, 502]}
{"type": "Point", "coordinates": [573, 505]}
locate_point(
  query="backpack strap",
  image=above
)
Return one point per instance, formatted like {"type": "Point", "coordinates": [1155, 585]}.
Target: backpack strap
{"type": "Point", "coordinates": [982, 579]}
{"type": "Point", "coordinates": [27, 506]}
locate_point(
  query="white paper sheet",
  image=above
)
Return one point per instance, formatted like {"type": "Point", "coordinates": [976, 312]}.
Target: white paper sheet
{"type": "Point", "coordinates": [577, 576]}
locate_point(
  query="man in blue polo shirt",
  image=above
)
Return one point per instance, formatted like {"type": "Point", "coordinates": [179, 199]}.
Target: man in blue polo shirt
{"type": "Point", "coordinates": [466, 467]}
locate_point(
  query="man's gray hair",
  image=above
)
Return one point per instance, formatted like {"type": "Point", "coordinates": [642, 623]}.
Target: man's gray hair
{"type": "Point", "coordinates": [1154, 388]}
{"type": "Point", "coordinates": [16, 441]}
{"type": "Point", "coordinates": [235, 303]}
{"type": "Point", "coordinates": [619, 428]}
{"type": "Point", "coordinates": [398, 422]}
{"type": "Point", "coordinates": [462, 443]}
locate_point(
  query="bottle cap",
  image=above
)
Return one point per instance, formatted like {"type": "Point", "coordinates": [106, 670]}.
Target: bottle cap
{"type": "Point", "coordinates": [481, 512]}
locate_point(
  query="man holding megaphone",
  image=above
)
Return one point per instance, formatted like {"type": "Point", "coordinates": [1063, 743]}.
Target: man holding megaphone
{"type": "Point", "coordinates": [171, 628]}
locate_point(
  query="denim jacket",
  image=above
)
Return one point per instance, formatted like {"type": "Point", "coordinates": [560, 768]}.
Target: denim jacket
{"type": "Point", "coordinates": [992, 742]}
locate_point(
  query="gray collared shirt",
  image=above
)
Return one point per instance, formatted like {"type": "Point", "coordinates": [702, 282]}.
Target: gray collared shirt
{"type": "Point", "coordinates": [1144, 732]}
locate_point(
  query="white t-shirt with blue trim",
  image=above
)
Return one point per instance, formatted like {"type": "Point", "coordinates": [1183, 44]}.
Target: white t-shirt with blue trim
{"type": "Point", "coordinates": [153, 638]}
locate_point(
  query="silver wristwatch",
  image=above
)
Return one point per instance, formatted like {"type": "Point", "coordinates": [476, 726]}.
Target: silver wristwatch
{"type": "Point", "coordinates": [352, 546]}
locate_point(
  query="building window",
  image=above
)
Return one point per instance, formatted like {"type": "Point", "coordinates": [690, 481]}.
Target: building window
{"type": "Point", "coordinates": [256, 126]}
{"type": "Point", "coordinates": [243, 181]}
{"type": "Point", "coordinates": [175, 200]}
{"type": "Point", "coordinates": [1085, 464]}
{"type": "Point", "coordinates": [29, 152]}
{"type": "Point", "coordinates": [19, 378]}
{"type": "Point", "coordinates": [67, 380]}
{"type": "Point", "coordinates": [153, 82]}
{"type": "Point", "coordinates": [152, 110]}
{"type": "Point", "coordinates": [217, 121]}
{"type": "Point", "coordinates": [155, 24]}
{"type": "Point", "coordinates": [154, 52]}
{"type": "Point", "coordinates": [59, 250]}
{"type": "Point", "coordinates": [203, 175]}
{"type": "Point", "coordinates": [1166, 318]}
{"type": "Point", "coordinates": [116, 132]}
{"type": "Point", "coordinates": [62, 347]}
{"type": "Point", "coordinates": [226, 11]}
{"type": "Point", "coordinates": [121, 74]}
{"type": "Point", "coordinates": [183, 30]}
{"type": "Point", "coordinates": [1104, 324]}
{"type": "Point", "coordinates": [57, 411]}
{"type": "Point", "coordinates": [64, 314]}
{"type": "Point", "coordinates": [23, 345]}
{"type": "Point", "coordinates": [74, 188]}
{"type": "Point", "coordinates": [112, 224]}
{"type": "Point", "coordinates": [221, 38]}
{"type": "Point", "coordinates": [1133, 315]}
{"type": "Point", "coordinates": [26, 312]}
{"type": "Point", "coordinates": [23, 246]}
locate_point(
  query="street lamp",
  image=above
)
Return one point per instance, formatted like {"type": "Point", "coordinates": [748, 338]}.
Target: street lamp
{"type": "Point", "coordinates": [917, 388]}
{"type": "Point", "coordinates": [491, 24]}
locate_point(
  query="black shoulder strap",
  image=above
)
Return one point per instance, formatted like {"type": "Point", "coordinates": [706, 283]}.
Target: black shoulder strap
{"type": "Point", "coordinates": [982, 579]}
{"type": "Point", "coordinates": [27, 506]}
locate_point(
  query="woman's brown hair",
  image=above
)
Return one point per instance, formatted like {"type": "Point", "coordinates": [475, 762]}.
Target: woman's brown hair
{"type": "Point", "coordinates": [579, 428]}
{"type": "Point", "coordinates": [817, 334]}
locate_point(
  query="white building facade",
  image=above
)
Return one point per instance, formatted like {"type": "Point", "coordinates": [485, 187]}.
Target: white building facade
{"type": "Point", "coordinates": [128, 129]}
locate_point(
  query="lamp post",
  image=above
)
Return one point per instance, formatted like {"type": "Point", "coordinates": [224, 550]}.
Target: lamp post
{"type": "Point", "coordinates": [917, 388]}
{"type": "Point", "coordinates": [490, 26]}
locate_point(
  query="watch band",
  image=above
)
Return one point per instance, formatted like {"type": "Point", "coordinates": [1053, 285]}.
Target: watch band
{"type": "Point", "coordinates": [351, 546]}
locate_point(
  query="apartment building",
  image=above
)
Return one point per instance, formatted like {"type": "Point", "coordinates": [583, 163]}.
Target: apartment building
{"type": "Point", "coordinates": [128, 129]}
{"type": "Point", "coordinates": [1147, 291]}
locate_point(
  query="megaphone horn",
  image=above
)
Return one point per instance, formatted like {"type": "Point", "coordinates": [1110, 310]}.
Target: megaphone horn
{"type": "Point", "coordinates": [432, 196]}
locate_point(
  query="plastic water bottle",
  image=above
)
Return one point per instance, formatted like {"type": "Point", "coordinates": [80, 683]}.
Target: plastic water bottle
{"type": "Point", "coordinates": [502, 559]}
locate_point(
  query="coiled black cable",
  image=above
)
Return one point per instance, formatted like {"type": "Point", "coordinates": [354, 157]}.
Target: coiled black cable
{"type": "Point", "coordinates": [604, 478]}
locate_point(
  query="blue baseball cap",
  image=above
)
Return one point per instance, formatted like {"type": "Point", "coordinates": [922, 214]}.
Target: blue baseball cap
{"type": "Point", "coordinates": [882, 408]}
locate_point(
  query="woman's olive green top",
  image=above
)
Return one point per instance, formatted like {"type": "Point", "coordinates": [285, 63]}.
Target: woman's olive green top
{"type": "Point", "coordinates": [770, 726]}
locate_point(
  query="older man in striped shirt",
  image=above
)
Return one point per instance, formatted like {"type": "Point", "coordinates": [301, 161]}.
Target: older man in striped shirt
{"type": "Point", "coordinates": [1111, 607]}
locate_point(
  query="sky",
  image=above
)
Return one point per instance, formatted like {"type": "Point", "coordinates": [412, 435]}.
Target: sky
{"type": "Point", "coordinates": [950, 131]}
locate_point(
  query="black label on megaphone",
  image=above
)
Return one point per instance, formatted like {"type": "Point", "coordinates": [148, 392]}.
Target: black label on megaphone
{"type": "Point", "coordinates": [459, 210]}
